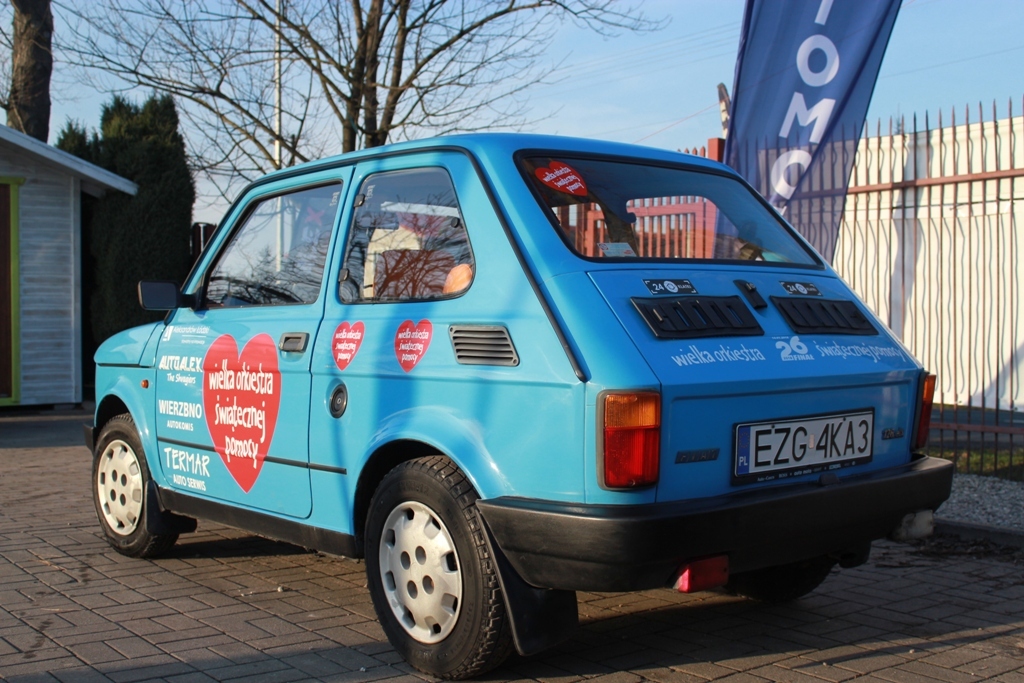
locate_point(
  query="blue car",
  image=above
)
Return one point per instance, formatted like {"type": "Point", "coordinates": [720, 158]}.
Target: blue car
{"type": "Point", "coordinates": [505, 368]}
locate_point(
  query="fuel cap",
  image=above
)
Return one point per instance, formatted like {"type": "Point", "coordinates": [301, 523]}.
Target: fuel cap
{"type": "Point", "coordinates": [339, 401]}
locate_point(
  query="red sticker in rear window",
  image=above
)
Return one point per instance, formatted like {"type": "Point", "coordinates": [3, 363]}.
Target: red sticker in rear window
{"type": "Point", "coordinates": [563, 178]}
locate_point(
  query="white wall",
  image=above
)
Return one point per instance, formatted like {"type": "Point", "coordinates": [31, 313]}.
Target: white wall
{"type": "Point", "coordinates": [49, 248]}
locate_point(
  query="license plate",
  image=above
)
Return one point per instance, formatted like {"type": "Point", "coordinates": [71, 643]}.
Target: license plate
{"type": "Point", "coordinates": [791, 448]}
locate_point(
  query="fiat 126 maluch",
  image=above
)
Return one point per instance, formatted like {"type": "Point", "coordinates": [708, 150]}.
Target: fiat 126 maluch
{"type": "Point", "coordinates": [506, 368]}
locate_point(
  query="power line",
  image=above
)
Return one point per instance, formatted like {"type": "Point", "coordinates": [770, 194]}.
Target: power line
{"type": "Point", "coordinates": [628, 70]}
{"type": "Point", "coordinates": [955, 61]}
{"type": "Point", "coordinates": [594, 64]}
{"type": "Point", "coordinates": [633, 60]}
{"type": "Point", "coordinates": [677, 122]}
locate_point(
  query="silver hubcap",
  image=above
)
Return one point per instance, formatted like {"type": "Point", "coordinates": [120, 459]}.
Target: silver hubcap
{"type": "Point", "coordinates": [119, 484]}
{"type": "Point", "coordinates": [420, 570]}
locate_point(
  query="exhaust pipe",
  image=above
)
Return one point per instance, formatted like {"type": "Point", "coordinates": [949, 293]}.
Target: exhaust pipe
{"type": "Point", "coordinates": [916, 525]}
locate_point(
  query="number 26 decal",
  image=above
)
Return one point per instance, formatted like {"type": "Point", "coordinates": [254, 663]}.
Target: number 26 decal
{"type": "Point", "coordinates": [793, 346]}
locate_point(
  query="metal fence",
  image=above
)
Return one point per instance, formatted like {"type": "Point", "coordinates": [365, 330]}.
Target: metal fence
{"type": "Point", "coordinates": [673, 227]}
{"type": "Point", "coordinates": [932, 240]}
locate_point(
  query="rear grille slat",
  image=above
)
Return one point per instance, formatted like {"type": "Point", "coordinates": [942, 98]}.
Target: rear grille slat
{"type": "Point", "coordinates": [483, 345]}
{"type": "Point", "coordinates": [799, 315]}
{"type": "Point", "coordinates": [832, 317]}
{"type": "Point", "coordinates": [823, 316]}
{"type": "Point", "coordinates": [693, 317]}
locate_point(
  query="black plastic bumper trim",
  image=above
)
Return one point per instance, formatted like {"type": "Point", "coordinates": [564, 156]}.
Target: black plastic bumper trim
{"type": "Point", "coordinates": [635, 547]}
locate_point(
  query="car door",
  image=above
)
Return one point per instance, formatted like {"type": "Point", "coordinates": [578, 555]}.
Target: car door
{"type": "Point", "coordinates": [233, 380]}
{"type": "Point", "coordinates": [426, 267]}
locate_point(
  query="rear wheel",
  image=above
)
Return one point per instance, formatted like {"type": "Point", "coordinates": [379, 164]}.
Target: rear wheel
{"type": "Point", "coordinates": [119, 480]}
{"type": "Point", "coordinates": [433, 582]}
{"type": "Point", "coordinates": [783, 583]}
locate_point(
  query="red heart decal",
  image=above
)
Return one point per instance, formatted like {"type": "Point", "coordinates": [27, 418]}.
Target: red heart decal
{"type": "Point", "coordinates": [241, 396]}
{"type": "Point", "coordinates": [411, 342]}
{"type": "Point", "coordinates": [563, 178]}
{"type": "Point", "coordinates": [345, 346]}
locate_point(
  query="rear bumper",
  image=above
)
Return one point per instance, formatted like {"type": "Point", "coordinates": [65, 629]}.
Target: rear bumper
{"type": "Point", "coordinates": [618, 548]}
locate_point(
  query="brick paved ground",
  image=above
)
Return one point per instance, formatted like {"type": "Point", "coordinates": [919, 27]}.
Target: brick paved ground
{"type": "Point", "coordinates": [227, 606]}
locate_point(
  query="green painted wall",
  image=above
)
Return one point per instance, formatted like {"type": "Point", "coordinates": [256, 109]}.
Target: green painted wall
{"type": "Point", "coordinates": [15, 331]}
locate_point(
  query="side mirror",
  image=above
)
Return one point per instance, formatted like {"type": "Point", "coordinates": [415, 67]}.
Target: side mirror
{"type": "Point", "coordinates": [160, 295]}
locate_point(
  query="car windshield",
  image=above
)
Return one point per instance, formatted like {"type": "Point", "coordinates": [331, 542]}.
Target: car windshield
{"type": "Point", "coordinates": [617, 209]}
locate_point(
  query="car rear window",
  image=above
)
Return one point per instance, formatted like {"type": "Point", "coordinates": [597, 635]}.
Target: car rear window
{"type": "Point", "coordinates": [620, 209]}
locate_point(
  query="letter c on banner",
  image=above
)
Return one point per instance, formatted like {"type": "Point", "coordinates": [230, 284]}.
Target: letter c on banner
{"type": "Point", "coordinates": [803, 57]}
{"type": "Point", "coordinates": [794, 157]}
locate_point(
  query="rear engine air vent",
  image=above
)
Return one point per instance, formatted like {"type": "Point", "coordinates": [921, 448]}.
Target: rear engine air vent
{"type": "Point", "coordinates": [693, 317]}
{"type": "Point", "coordinates": [483, 345]}
{"type": "Point", "coordinates": [812, 315]}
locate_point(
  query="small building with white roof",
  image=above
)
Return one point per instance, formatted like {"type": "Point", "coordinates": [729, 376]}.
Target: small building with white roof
{"type": "Point", "coordinates": [41, 267]}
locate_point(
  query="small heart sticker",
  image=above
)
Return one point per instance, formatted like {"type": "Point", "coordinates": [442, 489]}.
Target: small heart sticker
{"type": "Point", "coordinates": [345, 344]}
{"type": "Point", "coordinates": [411, 342]}
{"type": "Point", "coordinates": [241, 397]}
{"type": "Point", "coordinates": [563, 178]}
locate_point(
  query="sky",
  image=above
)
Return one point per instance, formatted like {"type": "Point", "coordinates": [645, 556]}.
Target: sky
{"type": "Point", "coordinates": [659, 88]}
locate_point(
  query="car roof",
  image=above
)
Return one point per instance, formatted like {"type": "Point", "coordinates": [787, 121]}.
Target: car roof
{"type": "Point", "coordinates": [495, 146]}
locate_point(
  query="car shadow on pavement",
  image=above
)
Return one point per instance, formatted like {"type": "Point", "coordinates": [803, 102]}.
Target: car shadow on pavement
{"type": "Point", "coordinates": [837, 633]}
{"type": "Point", "coordinates": [881, 616]}
{"type": "Point", "coordinates": [243, 545]}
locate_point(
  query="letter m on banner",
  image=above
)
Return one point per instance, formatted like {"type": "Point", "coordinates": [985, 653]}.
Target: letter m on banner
{"type": "Point", "coordinates": [804, 77]}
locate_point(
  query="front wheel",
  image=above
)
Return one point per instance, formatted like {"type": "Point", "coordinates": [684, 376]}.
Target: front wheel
{"type": "Point", "coordinates": [119, 480]}
{"type": "Point", "coordinates": [784, 583]}
{"type": "Point", "coordinates": [432, 580]}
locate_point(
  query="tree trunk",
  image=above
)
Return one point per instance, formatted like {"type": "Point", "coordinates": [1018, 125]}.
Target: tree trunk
{"type": "Point", "coordinates": [373, 38]}
{"type": "Point", "coordinates": [31, 65]}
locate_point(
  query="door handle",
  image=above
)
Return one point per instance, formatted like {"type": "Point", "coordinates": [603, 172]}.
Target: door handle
{"type": "Point", "coordinates": [293, 342]}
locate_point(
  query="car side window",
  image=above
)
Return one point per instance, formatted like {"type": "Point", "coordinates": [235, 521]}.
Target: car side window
{"type": "Point", "coordinates": [277, 255]}
{"type": "Point", "coordinates": [408, 240]}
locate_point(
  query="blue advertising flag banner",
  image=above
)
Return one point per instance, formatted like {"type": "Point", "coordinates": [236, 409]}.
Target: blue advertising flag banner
{"type": "Point", "coordinates": [804, 77]}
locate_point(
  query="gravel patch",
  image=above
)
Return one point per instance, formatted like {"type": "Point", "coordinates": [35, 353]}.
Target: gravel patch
{"type": "Point", "coordinates": [985, 500]}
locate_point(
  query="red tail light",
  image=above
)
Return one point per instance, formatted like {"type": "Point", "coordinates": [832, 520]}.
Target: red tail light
{"type": "Point", "coordinates": [924, 420]}
{"type": "Point", "coordinates": [632, 439]}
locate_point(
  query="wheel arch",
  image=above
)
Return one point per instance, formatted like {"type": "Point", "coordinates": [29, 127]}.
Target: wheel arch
{"type": "Point", "coordinates": [111, 406]}
{"type": "Point", "coordinates": [387, 457]}
{"type": "Point", "coordinates": [124, 395]}
{"type": "Point", "coordinates": [412, 434]}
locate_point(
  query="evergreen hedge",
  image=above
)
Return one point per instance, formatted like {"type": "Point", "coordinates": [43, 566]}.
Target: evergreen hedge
{"type": "Point", "coordinates": [145, 237]}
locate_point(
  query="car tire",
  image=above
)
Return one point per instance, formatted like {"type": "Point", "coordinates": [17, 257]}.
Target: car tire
{"type": "Point", "coordinates": [432, 579]}
{"type": "Point", "coordinates": [119, 479]}
{"type": "Point", "coordinates": [783, 583]}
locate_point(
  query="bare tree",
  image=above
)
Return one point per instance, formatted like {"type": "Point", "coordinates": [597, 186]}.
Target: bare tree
{"type": "Point", "coordinates": [355, 73]}
{"type": "Point", "coordinates": [28, 100]}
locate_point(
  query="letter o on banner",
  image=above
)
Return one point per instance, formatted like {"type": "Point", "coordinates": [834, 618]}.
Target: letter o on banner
{"type": "Point", "coordinates": [803, 60]}
{"type": "Point", "coordinates": [794, 157]}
